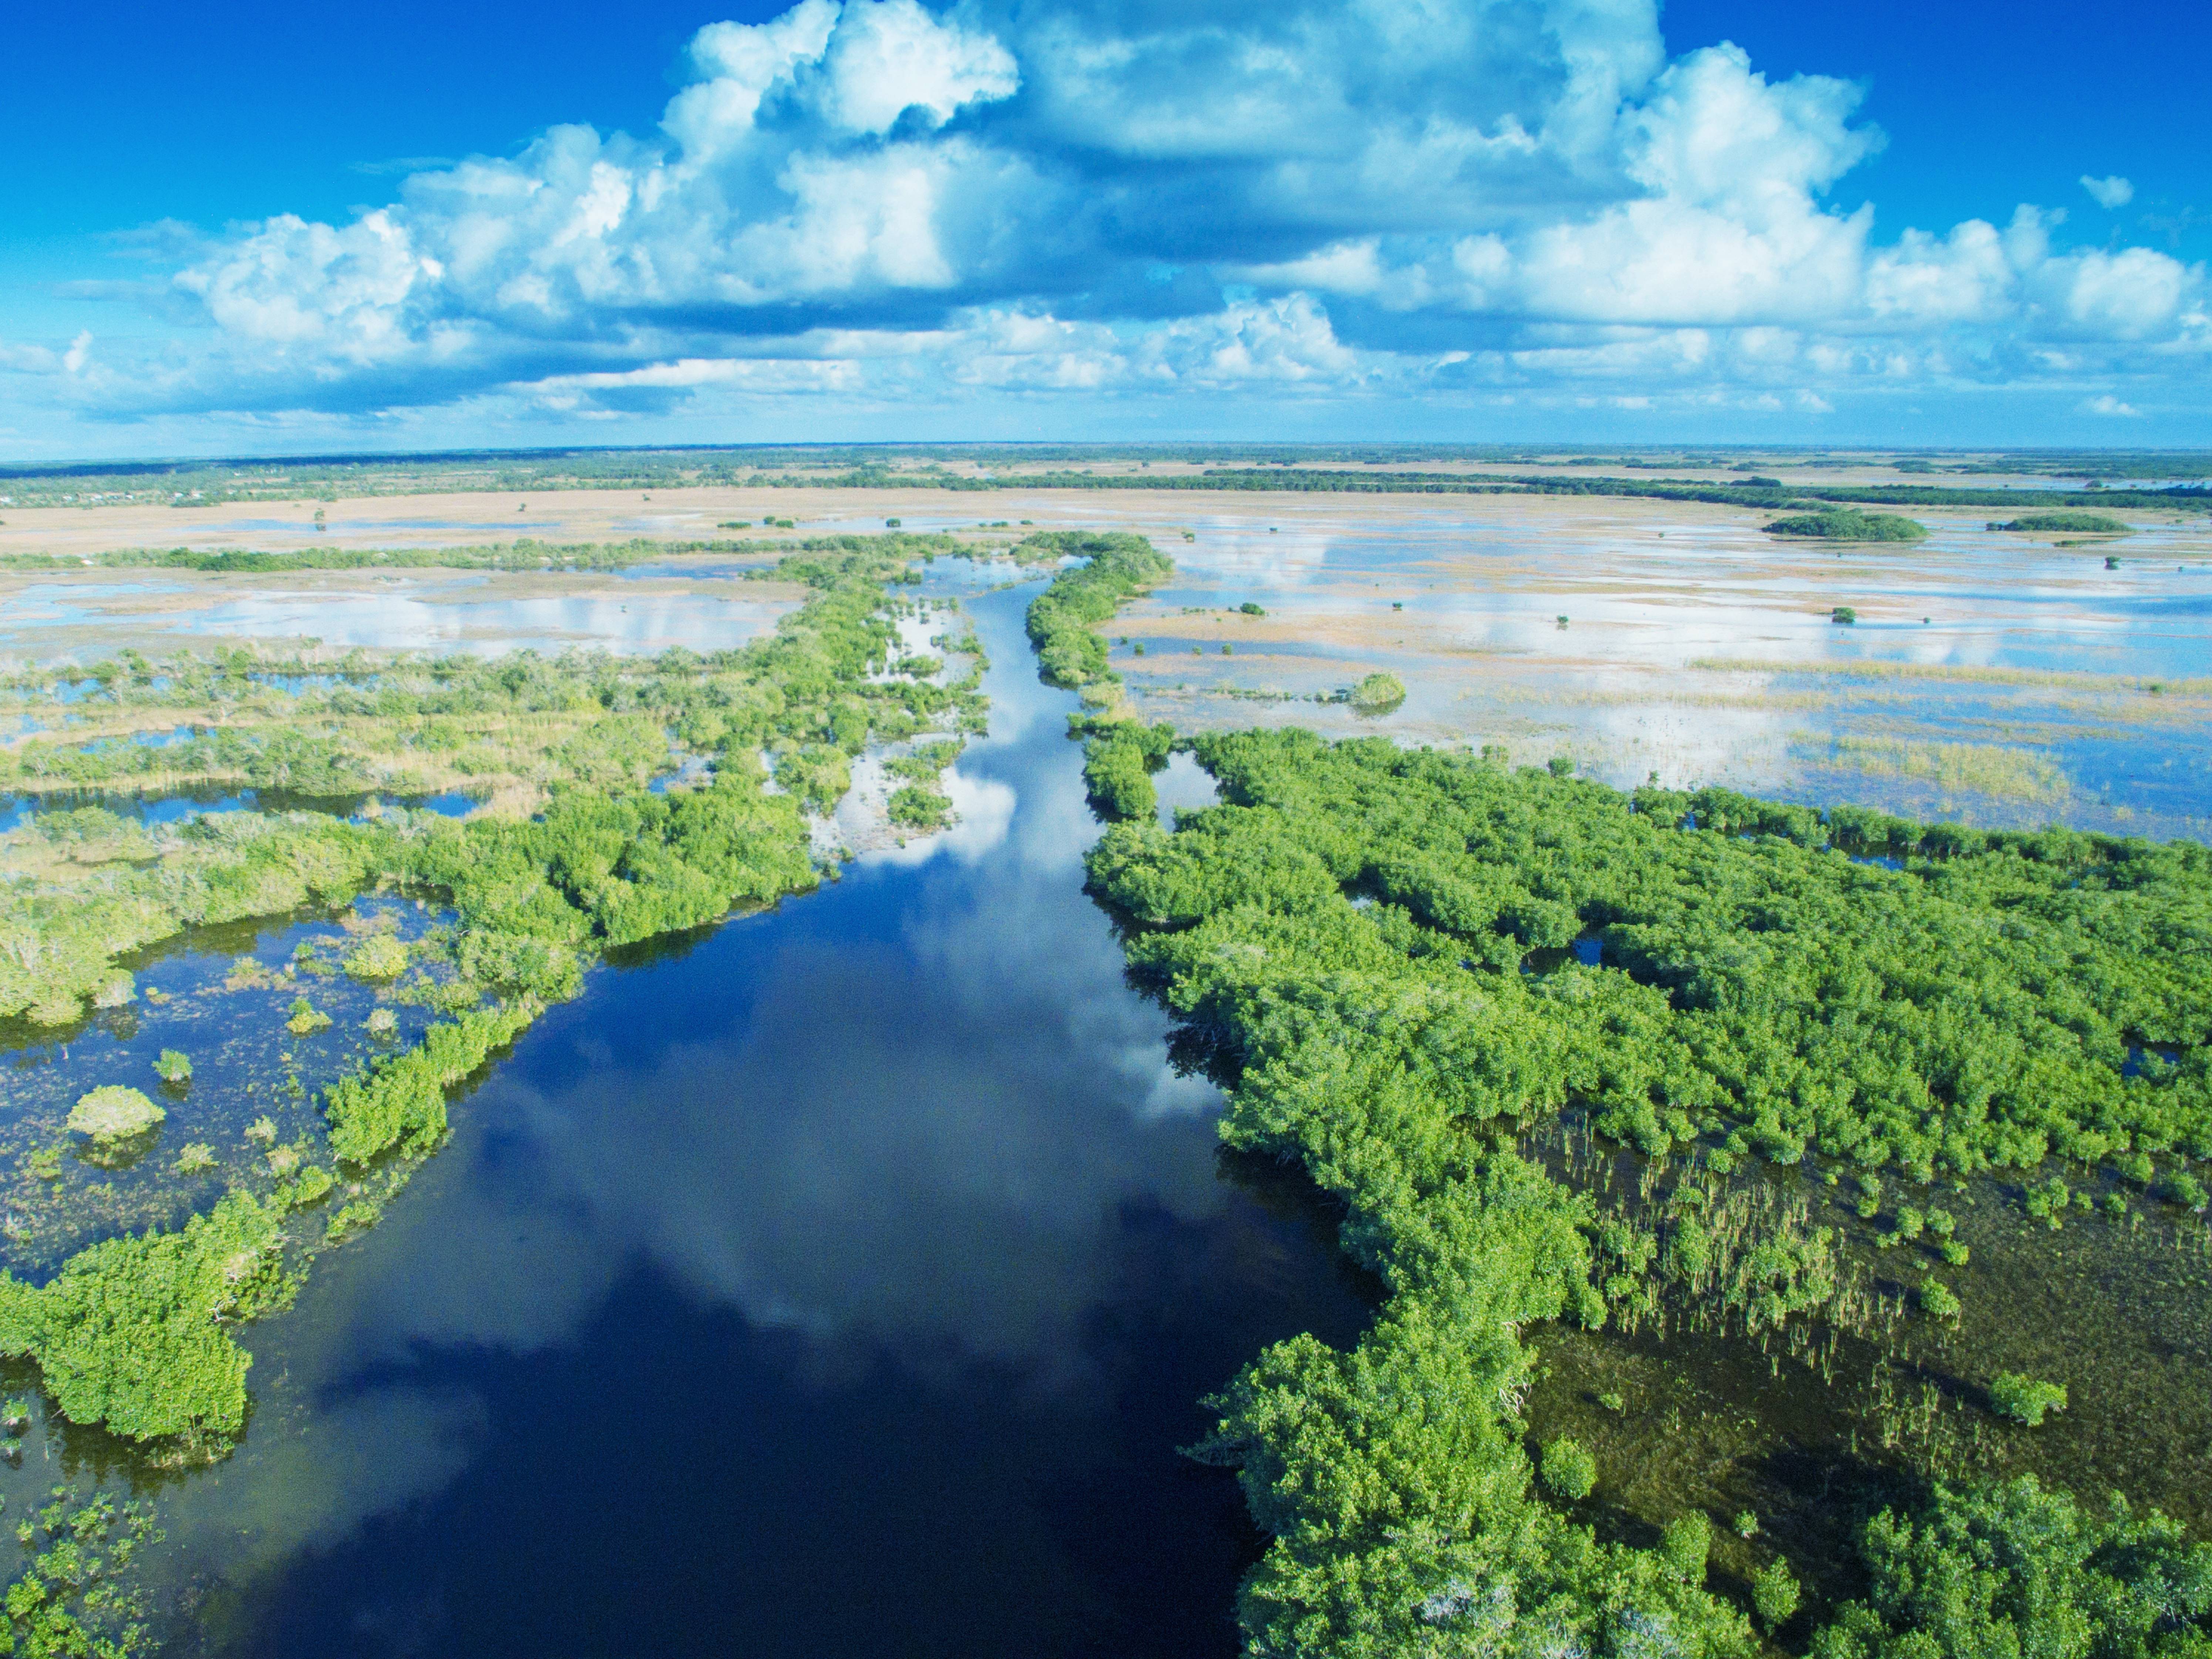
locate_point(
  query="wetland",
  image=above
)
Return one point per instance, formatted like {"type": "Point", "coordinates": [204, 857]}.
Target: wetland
{"type": "Point", "coordinates": [742, 1133]}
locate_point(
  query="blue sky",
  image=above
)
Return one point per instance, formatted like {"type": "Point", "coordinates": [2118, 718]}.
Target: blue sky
{"type": "Point", "coordinates": [253, 227]}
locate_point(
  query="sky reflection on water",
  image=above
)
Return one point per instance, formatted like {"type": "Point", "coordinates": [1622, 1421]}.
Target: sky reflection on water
{"type": "Point", "coordinates": [849, 1272]}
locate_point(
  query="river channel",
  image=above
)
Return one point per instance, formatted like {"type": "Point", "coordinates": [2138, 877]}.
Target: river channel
{"type": "Point", "coordinates": [840, 1279]}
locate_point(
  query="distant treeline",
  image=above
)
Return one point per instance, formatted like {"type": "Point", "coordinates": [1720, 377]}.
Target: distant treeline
{"type": "Point", "coordinates": [1760, 493]}
{"type": "Point", "coordinates": [298, 478]}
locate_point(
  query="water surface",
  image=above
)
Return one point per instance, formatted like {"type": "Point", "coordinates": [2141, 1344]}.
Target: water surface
{"type": "Point", "coordinates": [838, 1280]}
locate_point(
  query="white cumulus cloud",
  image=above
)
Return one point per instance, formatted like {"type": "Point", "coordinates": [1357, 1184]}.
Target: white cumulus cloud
{"type": "Point", "coordinates": [883, 200]}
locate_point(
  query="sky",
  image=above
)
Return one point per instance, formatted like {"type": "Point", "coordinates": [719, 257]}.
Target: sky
{"type": "Point", "coordinates": [246, 229]}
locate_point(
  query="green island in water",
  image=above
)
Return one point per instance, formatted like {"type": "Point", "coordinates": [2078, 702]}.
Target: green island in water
{"type": "Point", "coordinates": [1600, 1090]}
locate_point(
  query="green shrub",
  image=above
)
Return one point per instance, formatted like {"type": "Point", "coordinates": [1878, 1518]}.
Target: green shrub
{"type": "Point", "coordinates": [2047, 1202]}
{"type": "Point", "coordinates": [918, 806]}
{"type": "Point", "coordinates": [1685, 1545]}
{"type": "Point", "coordinates": [1938, 1300]}
{"type": "Point", "coordinates": [380, 956]}
{"type": "Point", "coordinates": [304, 1018]}
{"type": "Point", "coordinates": [1774, 1593]}
{"type": "Point", "coordinates": [2024, 1399]}
{"type": "Point", "coordinates": [2069, 524]}
{"type": "Point", "coordinates": [1569, 1469]}
{"type": "Point", "coordinates": [173, 1066]}
{"type": "Point", "coordinates": [1378, 694]}
{"type": "Point", "coordinates": [113, 1113]}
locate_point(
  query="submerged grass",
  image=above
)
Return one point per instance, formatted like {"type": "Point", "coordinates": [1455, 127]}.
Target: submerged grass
{"type": "Point", "coordinates": [2007, 773]}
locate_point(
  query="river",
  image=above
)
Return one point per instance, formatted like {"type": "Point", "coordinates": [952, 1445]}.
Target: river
{"type": "Point", "coordinates": [840, 1279]}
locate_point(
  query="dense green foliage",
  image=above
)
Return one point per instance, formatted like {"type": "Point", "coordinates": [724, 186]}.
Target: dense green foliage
{"type": "Point", "coordinates": [2016, 1571]}
{"type": "Point", "coordinates": [131, 1332]}
{"type": "Point", "coordinates": [1118, 763]}
{"type": "Point", "coordinates": [400, 1100]}
{"type": "Point", "coordinates": [1117, 566]}
{"type": "Point", "coordinates": [1846, 526]}
{"type": "Point", "coordinates": [1989, 1005]}
{"type": "Point", "coordinates": [2069, 524]}
{"type": "Point", "coordinates": [1347, 931]}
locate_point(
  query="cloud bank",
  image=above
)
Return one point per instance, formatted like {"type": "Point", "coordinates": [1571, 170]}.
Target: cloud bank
{"type": "Point", "coordinates": [874, 203]}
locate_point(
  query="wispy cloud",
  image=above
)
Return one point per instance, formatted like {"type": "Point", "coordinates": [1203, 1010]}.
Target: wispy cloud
{"type": "Point", "coordinates": [2110, 192]}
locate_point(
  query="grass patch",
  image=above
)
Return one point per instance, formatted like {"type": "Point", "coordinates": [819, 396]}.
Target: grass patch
{"type": "Point", "coordinates": [1989, 770]}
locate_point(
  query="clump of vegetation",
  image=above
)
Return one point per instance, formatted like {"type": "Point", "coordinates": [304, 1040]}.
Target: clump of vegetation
{"type": "Point", "coordinates": [920, 806]}
{"type": "Point", "coordinates": [1843, 616]}
{"type": "Point", "coordinates": [1844, 525]}
{"type": "Point", "coordinates": [2069, 524]}
{"type": "Point", "coordinates": [113, 1113]}
{"type": "Point", "coordinates": [1686, 1545]}
{"type": "Point", "coordinates": [195, 1157]}
{"type": "Point", "coordinates": [1378, 694]}
{"type": "Point", "coordinates": [174, 1067]}
{"type": "Point", "coordinates": [1118, 763]}
{"type": "Point", "coordinates": [2024, 1399]}
{"type": "Point", "coordinates": [1569, 1470]}
{"type": "Point", "coordinates": [1117, 566]}
{"type": "Point", "coordinates": [2046, 1200]}
{"type": "Point", "coordinates": [356, 1217]}
{"type": "Point", "coordinates": [1252, 608]}
{"type": "Point", "coordinates": [1774, 1594]}
{"type": "Point", "coordinates": [303, 1018]}
{"type": "Point", "coordinates": [378, 956]}
{"type": "Point", "coordinates": [132, 1332]}
{"type": "Point", "coordinates": [2013, 1569]}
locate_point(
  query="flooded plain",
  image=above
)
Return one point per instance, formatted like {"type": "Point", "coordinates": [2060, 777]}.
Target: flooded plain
{"type": "Point", "coordinates": [842, 1278]}
{"type": "Point", "coordinates": [1991, 676]}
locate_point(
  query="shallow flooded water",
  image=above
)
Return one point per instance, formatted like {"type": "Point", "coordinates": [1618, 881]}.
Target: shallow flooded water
{"type": "Point", "coordinates": [841, 1280]}
{"type": "Point", "coordinates": [438, 610]}
{"type": "Point", "coordinates": [1987, 676]}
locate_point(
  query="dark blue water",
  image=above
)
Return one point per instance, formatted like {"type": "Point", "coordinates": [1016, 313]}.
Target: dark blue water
{"type": "Point", "coordinates": [839, 1282]}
